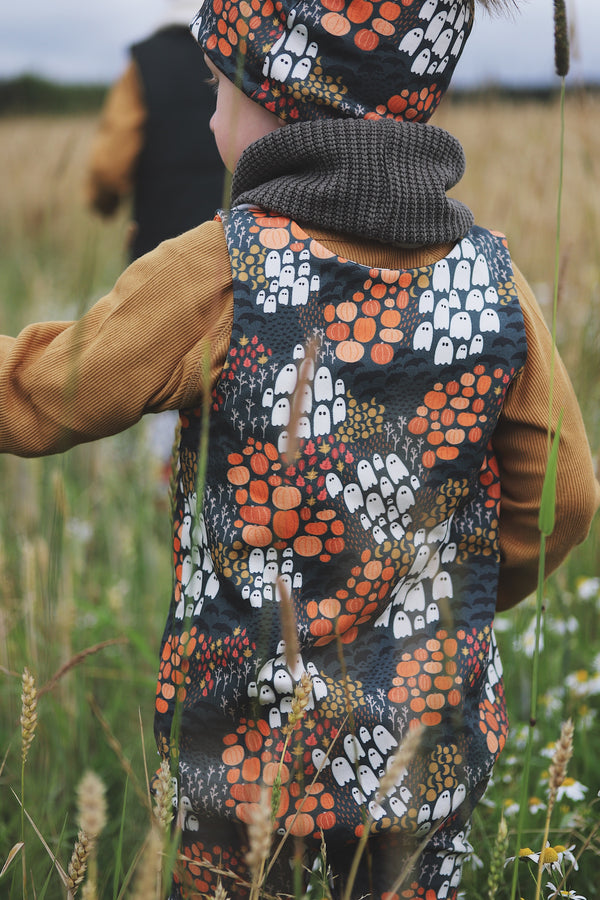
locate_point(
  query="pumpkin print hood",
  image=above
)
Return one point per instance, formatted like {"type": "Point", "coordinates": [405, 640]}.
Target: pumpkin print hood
{"type": "Point", "coordinates": [348, 59]}
{"type": "Point", "coordinates": [385, 181]}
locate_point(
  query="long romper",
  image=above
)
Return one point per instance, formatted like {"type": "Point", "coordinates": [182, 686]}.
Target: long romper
{"type": "Point", "coordinates": [350, 468]}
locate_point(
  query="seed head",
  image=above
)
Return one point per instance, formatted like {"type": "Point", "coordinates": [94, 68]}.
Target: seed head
{"type": "Point", "coordinates": [148, 872]}
{"type": "Point", "coordinates": [163, 797]}
{"type": "Point", "coordinates": [91, 805]}
{"type": "Point", "coordinates": [497, 861]}
{"type": "Point", "coordinates": [259, 834]}
{"type": "Point", "coordinates": [78, 863]}
{"type": "Point", "coordinates": [561, 39]}
{"type": "Point", "coordinates": [302, 692]}
{"type": "Point", "coordinates": [220, 892]}
{"type": "Point", "coordinates": [28, 712]}
{"type": "Point", "coordinates": [400, 761]}
{"type": "Point", "coordinates": [560, 760]}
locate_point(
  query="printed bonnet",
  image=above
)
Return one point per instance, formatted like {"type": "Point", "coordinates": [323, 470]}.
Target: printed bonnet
{"type": "Point", "coordinates": [318, 59]}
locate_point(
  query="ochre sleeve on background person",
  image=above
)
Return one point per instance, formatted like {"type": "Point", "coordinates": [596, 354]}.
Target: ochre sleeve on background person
{"type": "Point", "coordinates": [143, 349]}
{"type": "Point", "coordinates": [117, 144]}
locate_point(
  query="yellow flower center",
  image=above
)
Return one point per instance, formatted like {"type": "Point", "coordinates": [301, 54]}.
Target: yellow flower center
{"type": "Point", "coordinates": [549, 855]}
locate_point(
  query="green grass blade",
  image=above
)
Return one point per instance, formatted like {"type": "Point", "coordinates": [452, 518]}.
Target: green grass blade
{"type": "Point", "coordinates": [548, 503]}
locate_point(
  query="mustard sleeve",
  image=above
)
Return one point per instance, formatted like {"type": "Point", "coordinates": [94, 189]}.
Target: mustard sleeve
{"type": "Point", "coordinates": [116, 145]}
{"type": "Point", "coordinates": [520, 443]}
{"type": "Point", "coordinates": [144, 347]}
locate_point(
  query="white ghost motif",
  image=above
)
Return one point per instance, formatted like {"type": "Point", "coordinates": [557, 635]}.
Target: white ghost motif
{"type": "Point", "coordinates": [435, 27]}
{"type": "Point", "coordinates": [404, 498]}
{"type": "Point", "coordinates": [280, 67]}
{"type": "Point", "coordinates": [395, 467]}
{"type": "Point", "coordinates": [444, 352]}
{"type": "Point", "coordinates": [402, 625]}
{"type": "Point", "coordinates": [481, 273]}
{"type": "Point", "coordinates": [460, 326]}
{"type": "Point", "coordinates": [411, 41]}
{"type": "Point", "coordinates": [489, 320]}
{"type": "Point", "coordinates": [441, 316]}
{"type": "Point", "coordinates": [338, 410]}
{"type": "Point", "coordinates": [462, 276]}
{"type": "Point", "coordinates": [286, 380]}
{"type": "Point", "coordinates": [272, 264]}
{"type": "Point", "coordinates": [333, 484]}
{"type": "Point", "coordinates": [353, 748]}
{"type": "Point", "coordinates": [342, 771]}
{"type": "Point", "coordinates": [323, 385]}
{"type": "Point", "coordinates": [476, 345]}
{"type": "Point", "coordinates": [423, 337]}
{"type": "Point", "coordinates": [474, 300]}
{"type": "Point", "coordinates": [321, 421]}
{"type": "Point", "coordinates": [441, 276]}
{"type": "Point", "coordinates": [353, 497]}
{"type": "Point", "coordinates": [367, 780]}
{"type": "Point", "coordinates": [442, 586]}
{"type": "Point", "coordinates": [281, 412]}
{"type": "Point", "coordinates": [300, 292]}
{"type": "Point", "coordinates": [420, 64]}
{"type": "Point", "coordinates": [297, 40]}
{"type": "Point", "coordinates": [415, 598]}
{"type": "Point", "coordinates": [365, 474]}
{"type": "Point", "coordinates": [432, 613]}
{"type": "Point", "coordinates": [383, 738]}
{"type": "Point", "coordinates": [375, 505]}
{"type": "Point", "coordinates": [427, 298]}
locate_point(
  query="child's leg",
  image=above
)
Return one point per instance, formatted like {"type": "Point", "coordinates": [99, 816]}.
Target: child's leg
{"type": "Point", "coordinates": [206, 854]}
{"type": "Point", "coordinates": [215, 851]}
{"type": "Point", "coordinates": [435, 873]}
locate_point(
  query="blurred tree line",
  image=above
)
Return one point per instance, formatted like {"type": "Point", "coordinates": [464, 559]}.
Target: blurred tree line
{"type": "Point", "coordinates": [29, 94]}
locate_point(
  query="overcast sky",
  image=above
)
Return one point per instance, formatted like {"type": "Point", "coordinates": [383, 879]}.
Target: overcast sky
{"type": "Point", "coordinates": [86, 41]}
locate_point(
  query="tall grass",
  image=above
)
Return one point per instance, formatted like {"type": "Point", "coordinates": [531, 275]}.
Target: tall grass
{"type": "Point", "coordinates": [85, 537]}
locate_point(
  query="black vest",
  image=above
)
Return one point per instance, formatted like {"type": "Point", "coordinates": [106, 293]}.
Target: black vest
{"type": "Point", "coordinates": [179, 178]}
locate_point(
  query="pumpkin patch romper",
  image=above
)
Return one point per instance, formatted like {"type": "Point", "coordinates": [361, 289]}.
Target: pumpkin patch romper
{"type": "Point", "coordinates": [350, 469]}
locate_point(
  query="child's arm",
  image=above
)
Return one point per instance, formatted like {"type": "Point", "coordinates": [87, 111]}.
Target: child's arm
{"type": "Point", "coordinates": [140, 349]}
{"type": "Point", "coordinates": [520, 442]}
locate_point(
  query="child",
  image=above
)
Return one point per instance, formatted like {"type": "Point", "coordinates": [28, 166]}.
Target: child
{"type": "Point", "coordinates": [378, 374]}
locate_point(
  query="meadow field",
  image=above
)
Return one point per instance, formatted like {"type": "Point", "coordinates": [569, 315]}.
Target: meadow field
{"type": "Point", "coordinates": [85, 536]}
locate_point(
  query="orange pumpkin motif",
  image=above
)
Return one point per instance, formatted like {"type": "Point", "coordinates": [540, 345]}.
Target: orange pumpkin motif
{"type": "Point", "coordinates": [350, 351]}
{"type": "Point", "coordinates": [454, 414]}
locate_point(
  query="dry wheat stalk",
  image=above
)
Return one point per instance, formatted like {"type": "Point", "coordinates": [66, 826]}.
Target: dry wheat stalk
{"type": "Point", "coordinates": [289, 629]}
{"type": "Point", "coordinates": [28, 713]}
{"type": "Point", "coordinates": [560, 760]}
{"type": "Point", "coordinates": [91, 805]}
{"type": "Point", "coordinates": [78, 862]}
{"type": "Point", "coordinates": [148, 872]}
{"type": "Point", "coordinates": [400, 760]}
{"type": "Point", "coordinates": [220, 892]}
{"type": "Point", "coordinates": [163, 797]}
{"type": "Point", "coordinates": [302, 692]}
{"type": "Point", "coordinates": [498, 859]}
{"type": "Point", "coordinates": [260, 833]}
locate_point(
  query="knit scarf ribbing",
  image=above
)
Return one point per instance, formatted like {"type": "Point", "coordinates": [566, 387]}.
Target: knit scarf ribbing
{"type": "Point", "coordinates": [380, 180]}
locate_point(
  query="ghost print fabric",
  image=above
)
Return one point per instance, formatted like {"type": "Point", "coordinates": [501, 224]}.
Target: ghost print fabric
{"type": "Point", "coordinates": [350, 467]}
{"type": "Point", "coordinates": [337, 58]}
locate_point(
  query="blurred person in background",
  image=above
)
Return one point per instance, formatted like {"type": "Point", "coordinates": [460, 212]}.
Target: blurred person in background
{"type": "Point", "coordinates": [153, 143]}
